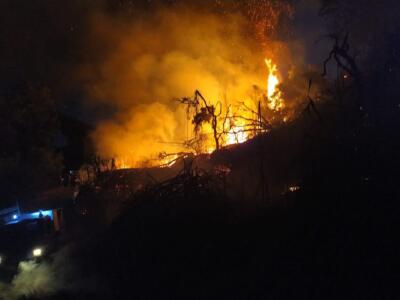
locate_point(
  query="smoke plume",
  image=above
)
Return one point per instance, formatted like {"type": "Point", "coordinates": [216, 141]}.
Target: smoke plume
{"type": "Point", "coordinates": [47, 278]}
{"type": "Point", "coordinates": [148, 60]}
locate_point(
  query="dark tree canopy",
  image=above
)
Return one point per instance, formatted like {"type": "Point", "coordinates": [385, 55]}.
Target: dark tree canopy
{"type": "Point", "coordinates": [28, 127]}
{"type": "Point", "coordinates": [371, 29]}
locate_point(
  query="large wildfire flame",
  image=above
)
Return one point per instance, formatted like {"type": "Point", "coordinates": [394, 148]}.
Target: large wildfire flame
{"type": "Point", "coordinates": [235, 132]}
{"type": "Point", "coordinates": [155, 59]}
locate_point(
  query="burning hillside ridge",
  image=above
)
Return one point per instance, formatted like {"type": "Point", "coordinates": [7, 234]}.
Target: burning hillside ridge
{"type": "Point", "coordinates": [155, 62]}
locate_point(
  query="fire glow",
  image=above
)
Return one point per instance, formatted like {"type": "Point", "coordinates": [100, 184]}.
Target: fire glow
{"type": "Point", "coordinates": [235, 132]}
{"type": "Point", "coordinates": [237, 135]}
{"type": "Point", "coordinates": [161, 60]}
{"type": "Point", "coordinates": [274, 95]}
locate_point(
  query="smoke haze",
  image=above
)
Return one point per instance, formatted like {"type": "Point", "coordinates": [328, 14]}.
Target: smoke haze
{"type": "Point", "coordinates": [152, 59]}
{"type": "Point", "coordinates": [47, 278]}
{"type": "Point", "coordinates": [121, 64]}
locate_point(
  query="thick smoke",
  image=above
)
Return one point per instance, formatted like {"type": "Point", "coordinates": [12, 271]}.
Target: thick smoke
{"type": "Point", "coordinates": [46, 278]}
{"type": "Point", "coordinates": [151, 59]}
{"type": "Point", "coordinates": [134, 57]}
{"type": "Point", "coordinates": [33, 279]}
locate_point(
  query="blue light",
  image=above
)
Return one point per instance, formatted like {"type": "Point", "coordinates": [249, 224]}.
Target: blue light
{"type": "Point", "coordinates": [16, 218]}
{"type": "Point", "coordinates": [44, 213]}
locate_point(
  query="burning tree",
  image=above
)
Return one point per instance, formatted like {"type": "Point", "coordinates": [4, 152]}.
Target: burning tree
{"type": "Point", "coordinates": [229, 128]}
{"type": "Point", "coordinates": [211, 123]}
{"type": "Point", "coordinates": [203, 113]}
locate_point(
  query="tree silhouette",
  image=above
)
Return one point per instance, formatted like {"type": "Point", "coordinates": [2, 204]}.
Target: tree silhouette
{"type": "Point", "coordinates": [28, 127]}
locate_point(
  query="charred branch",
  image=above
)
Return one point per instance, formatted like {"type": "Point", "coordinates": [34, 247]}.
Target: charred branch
{"type": "Point", "coordinates": [311, 107]}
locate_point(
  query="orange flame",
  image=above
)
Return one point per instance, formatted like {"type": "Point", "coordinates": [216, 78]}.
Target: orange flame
{"type": "Point", "coordinates": [237, 133]}
{"type": "Point", "coordinates": [236, 130]}
{"type": "Point", "coordinates": [275, 101]}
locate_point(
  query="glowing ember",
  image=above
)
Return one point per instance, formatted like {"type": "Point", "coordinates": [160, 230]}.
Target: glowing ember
{"type": "Point", "coordinates": [123, 163]}
{"type": "Point", "coordinates": [236, 135]}
{"type": "Point", "coordinates": [164, 160]}
{"type": "Point", "coordinates": [275, 101]}
{"type": "Point", "coordinates": [294, 188]}
{"type": "Point", "coordinates": [168, 160]}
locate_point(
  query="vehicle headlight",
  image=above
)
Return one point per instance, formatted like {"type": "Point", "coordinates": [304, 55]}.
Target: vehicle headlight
{"type": "Point", "coordinates": [37, 252]}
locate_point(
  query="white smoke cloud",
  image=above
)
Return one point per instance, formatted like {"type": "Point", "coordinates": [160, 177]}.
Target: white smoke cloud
{"type": "Point", "coordinates": [46, 278]}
